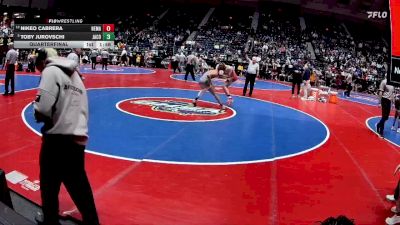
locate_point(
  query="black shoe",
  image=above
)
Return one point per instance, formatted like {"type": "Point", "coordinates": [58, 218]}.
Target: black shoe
{"type": "Point", "coordinates": [12, 93]}
{"type": "Point", "coordinates": [379, 131]}
{"type": "Point", "coordinates": [5, 93]}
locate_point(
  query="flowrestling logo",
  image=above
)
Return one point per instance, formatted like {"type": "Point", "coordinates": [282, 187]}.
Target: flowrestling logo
{"type": "Point", "coordinates": [181, 108]}
{"type": "Point", "coordinates": [174, 109]}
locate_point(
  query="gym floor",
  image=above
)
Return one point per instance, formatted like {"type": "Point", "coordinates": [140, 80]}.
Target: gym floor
{"type": "Point", "coordinates": [269, 159]}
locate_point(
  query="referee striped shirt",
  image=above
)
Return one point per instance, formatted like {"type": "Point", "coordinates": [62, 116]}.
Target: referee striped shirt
{"type": "Point", "coordinates": [12, 56]}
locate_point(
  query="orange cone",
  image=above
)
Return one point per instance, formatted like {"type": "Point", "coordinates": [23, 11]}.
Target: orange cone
{"type": "Point", "coordinates": [333, 98]}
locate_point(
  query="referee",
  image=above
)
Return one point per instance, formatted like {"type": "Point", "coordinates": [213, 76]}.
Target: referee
{"type": "Point", "coordinates": [11, 59]}
{"type": "Point", "coordinates": [386, 94]}
{"type": "Point", "coordinates": [251, 74]}
{"type": "Point", "coordinates": [104, 58]}
{"type": "Point", "coordinates": [190, 64]}
{"type": "Point", "coordinates": [93, 58]}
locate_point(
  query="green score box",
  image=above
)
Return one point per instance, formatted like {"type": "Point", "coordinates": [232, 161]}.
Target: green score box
{"type": "Point", "coordinates": [108, 36]}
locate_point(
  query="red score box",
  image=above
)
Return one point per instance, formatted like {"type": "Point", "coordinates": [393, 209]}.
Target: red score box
{"type": "Point", "coordinates": [108, 27]}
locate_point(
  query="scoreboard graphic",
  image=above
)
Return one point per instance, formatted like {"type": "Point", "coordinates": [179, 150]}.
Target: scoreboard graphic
{"type": "Point", "coordinates": [394, 73]}
{"type": "Point", "coordinates": [64, 36]}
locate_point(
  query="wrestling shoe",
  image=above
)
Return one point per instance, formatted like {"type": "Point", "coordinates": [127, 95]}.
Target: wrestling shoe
{"type": "Point", "coordinates": [395, 219]}
{"type": "Point", "coordinates": [222, 108]}
{"type": "Point", "coordinates": [195, 102]}
{"type": "Point", "coordinates": [229, 102]}
{"type": "Point", "coordinates": [390, 198]}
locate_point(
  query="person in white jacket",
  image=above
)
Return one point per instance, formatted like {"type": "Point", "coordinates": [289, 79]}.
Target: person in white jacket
{"type": "Point", "coordinates": [62, 105]}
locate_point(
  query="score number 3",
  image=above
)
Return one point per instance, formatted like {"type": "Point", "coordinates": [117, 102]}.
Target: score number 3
{"type": "Point", "coordinates": [108, 36]}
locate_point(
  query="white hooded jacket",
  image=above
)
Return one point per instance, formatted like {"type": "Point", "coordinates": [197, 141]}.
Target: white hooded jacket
{"type": "Point", "coordinates": [61, 101]}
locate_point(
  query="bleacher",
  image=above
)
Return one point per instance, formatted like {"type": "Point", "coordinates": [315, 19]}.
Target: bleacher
{"type": "Point", "coordinates": [226, 33]}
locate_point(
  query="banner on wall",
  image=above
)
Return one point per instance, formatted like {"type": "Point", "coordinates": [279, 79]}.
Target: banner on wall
{"type": "Point", "coordinates": [394, 72]}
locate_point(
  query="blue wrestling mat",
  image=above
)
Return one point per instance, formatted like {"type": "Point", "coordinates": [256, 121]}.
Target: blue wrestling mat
{"type": "Point", "coordinates": [260, 84]}
{"type": "Point", "coordinates": [22, 82]}
{"type": "Point", "coordinates": [161, 125]}
{"type": "Point", "coordinates": [390, 135]}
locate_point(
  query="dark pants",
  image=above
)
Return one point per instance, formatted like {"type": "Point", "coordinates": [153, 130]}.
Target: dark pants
{"type": "Point", "coordinates": [94, 62]}
{"type": "Point", "coordinates": [386, 104]}
{"type": "Point", "coordinates": [328, 82]}
{"type": "Point", "coordinates": [249, 78]}
{"type": "Point", "coordinates": [124, 59]}
{"type": "Point", "coordinates": [10, 74]}
{"type": "Point", "coordinates": [177, 69]}
{"type": "Point", "coordinates": [31, 66]}
{"type": "Point", "coordinates": [397, 191]}
{"type": "Point", "coordinates": [348, 90]}
{"type": "Point", "coordinates": [294, 84]}
{"type": "Point", "coordinates": [131, 61]}
{"type": "Point", "coordinates": [175, 66]}
{"type": "Point", "coordinates": [63, 161]}
{"type": "Point", "coordinates": [189, 69]}
{"type": "Point", "coordinates": [104, 63]}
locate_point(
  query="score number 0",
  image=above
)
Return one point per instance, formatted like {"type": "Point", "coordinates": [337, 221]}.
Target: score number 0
{"type": "Point", "coordinates": [108, 27]}
{"type": "Point", "coordinates": [108, 32]}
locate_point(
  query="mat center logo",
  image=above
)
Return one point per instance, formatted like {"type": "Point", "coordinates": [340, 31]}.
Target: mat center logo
{"type": "Point", "coordinates": [181, 108]}
{"type": "Point", "coordinates": [108, 70]}
{"type": "Point", "coordinates": [174, 109]}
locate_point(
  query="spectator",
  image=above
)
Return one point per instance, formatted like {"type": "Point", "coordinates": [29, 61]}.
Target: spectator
{"type": "Point", "coordinates": [296, 79]}
{"type": "Point", "coordinates": [349, 84]}
{"type": "Point", "coordinates": [306, 82]}
{"type": "Point", "coordinates": [64, 137]}
{"type": "Point", "coordinates": [31, 62]}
